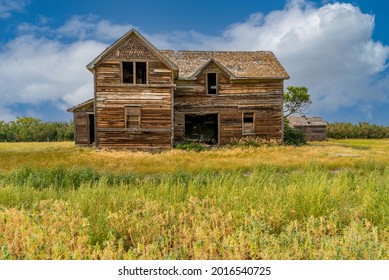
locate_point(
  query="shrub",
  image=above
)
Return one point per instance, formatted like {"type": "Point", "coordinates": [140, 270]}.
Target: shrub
{"type": "Point", "coordinates": [190, 146]}
{"type": "Point", "coordinates": [293, 136]}
{"type": "Point", "coordinates": [362, 130]}
{"type": "Point", "coordinates": [251, 141]}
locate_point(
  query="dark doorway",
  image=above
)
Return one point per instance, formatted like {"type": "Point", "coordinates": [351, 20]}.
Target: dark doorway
{"type": "Point", "coordinates": [202, 128]}
{"type": "Point", "coordinates": [91, 122]}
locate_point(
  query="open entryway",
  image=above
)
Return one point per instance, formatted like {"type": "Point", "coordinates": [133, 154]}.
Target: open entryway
{"type": "Point", "coordinates": [91, 128]}
{"type": "Point", "coordinates": [202, 128]}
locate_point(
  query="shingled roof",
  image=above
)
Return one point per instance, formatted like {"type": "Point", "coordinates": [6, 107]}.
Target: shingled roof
{"type": "Point", "coordinates": [239, 64]}
{"type": "Point", "coordinates": [306, 121]}
{"type": "Point", "coordinates": [188, 64]}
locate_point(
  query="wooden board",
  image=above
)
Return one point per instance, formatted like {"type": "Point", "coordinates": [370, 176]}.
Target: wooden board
{"type": "Point", "coordinates": [261, 97]}
{"type": "Point", "coordinates": [154, 100]}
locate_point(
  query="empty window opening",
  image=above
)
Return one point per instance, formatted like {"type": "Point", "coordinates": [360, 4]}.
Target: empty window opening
{"type": "Point", "coordinates": [202, 128]}
{"type": "Point", "coordinates": [248, 123]}
{"type": "Point", "coordinates": [132, 116]}
{"type": "Point", "coordinates": [134, 72]}
{"type": "Point", "coordinates": [211, 83]}
{"type": "Point", "coordinates": [128, 72]}
{"type": "Point", "coordinates": [141, 77]}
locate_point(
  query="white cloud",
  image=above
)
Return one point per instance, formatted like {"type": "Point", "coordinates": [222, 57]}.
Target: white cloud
{"type": "Point", "coordinates": [9, 6]}
{"type": "Point", "coordinates": [36, 70]}
{"type": "Point", "coordinates": [39, 67]}
{"type": "Point", "coordinates": [91, 27]}
{"type": "Point", "coordinates": [329, 49]}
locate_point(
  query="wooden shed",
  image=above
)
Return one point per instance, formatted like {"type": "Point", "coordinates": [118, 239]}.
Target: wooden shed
{"type": "Point", "coordinates": [314, 127]}
{"type": "Point", "coordinates": [84, 123]}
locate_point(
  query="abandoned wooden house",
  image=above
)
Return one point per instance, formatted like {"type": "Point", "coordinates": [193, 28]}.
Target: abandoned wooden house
{"type": "Point", "coordinates": [315, 128]}
{"type": "Point", "coordinates": [146, 98]}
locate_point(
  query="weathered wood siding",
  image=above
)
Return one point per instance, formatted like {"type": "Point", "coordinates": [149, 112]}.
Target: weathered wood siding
{"type": "Point", "coordinates": [261, 97]}
{"type": "Point", "coordinates": [153, 98]}
{"type": "Point", "coordinates": [314, 132]}
{"type": "Point", "coordinates": [81, 124]}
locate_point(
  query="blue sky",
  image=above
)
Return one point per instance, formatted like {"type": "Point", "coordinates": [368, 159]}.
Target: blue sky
{"type": "Point", "coordinates": [339, 50]}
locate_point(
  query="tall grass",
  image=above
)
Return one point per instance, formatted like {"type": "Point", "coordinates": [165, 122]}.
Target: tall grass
{"type": "Point", "coordinates": [263, 211]}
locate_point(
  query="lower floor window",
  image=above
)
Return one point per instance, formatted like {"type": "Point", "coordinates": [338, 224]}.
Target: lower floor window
{"type": "Point", "coordinates": [248, 123]}
{"type": "Point", "coordinates": [132, 116]}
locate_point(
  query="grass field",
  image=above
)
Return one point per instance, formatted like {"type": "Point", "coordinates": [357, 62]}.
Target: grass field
{"type": "Point", "coordinates": [326, 200]}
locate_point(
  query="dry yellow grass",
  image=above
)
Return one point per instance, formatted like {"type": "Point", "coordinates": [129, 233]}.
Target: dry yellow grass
{"type": "Point", "coordinates": [328, 200]}
{"type": "Point", "coordinates": [334, 154]}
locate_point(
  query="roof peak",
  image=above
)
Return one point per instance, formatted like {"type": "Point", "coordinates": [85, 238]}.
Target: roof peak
{"type": "Point", "coordinates": [125, 37]}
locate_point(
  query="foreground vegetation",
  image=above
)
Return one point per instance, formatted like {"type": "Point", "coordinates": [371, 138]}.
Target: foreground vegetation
{"type": "Point", "coordinates": [323, 201]}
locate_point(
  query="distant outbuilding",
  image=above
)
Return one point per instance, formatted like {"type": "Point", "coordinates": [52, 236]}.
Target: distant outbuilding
{"type": "Point", "coordinates": [314, 127]}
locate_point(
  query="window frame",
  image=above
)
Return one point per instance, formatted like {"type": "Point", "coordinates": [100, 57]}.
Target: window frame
{"type": "Point", "coordinates": [134, 62]}
{"type": "Point", "coordinates": [244, 131]}
{"type": "Point", "coordinates": [207, 83]}
{"type": "Point", "coordinates": [126, 114]}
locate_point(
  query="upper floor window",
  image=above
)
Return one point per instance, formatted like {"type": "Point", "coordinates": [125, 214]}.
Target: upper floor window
{"type": "Point", "coordinates": [211, 83]}
{"type": "Point", "coordinates": [134, 72]}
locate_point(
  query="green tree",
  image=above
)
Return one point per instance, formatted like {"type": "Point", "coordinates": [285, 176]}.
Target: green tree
{"type": "Point", "coordinates": [27, 129]}
{"type": "Point", "coordinates": [296, 100]}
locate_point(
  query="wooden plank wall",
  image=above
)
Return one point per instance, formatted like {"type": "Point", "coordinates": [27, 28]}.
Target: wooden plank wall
{"type": "Point", "coordinates": [262, 97]}
{"type": "Point", "coordinates": [314, 132]}
{"type": "Point", "coordinates": [80, 115]}
{"type": "Point", "coordinates": [154, 99]}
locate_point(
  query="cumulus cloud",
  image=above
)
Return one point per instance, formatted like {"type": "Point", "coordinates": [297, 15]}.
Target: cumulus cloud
{"type": "Point", "coordinates": [47, 66]}
{"type": "Point", "coordinates": [329, 49]}
{"type": "Point", "coordinates": [35, 70]}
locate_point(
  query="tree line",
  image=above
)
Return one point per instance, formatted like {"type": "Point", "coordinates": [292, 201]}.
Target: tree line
{"type": "Point", "coordinates": [363, 130]}
{"type": "Point", "coordinates": [28, 129]}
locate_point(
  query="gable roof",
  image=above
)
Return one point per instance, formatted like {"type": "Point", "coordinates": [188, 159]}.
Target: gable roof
{"type": "Point", "coordinates": [124, 38]}
{"type": "Point", "coordinates": [240, 64]}
{"type": "Point", "coordinates": [306, 121]}
{"type": "Point", "coordinates": [188, 64]}
{"type": "Point", "coordinates": [212, 60]}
